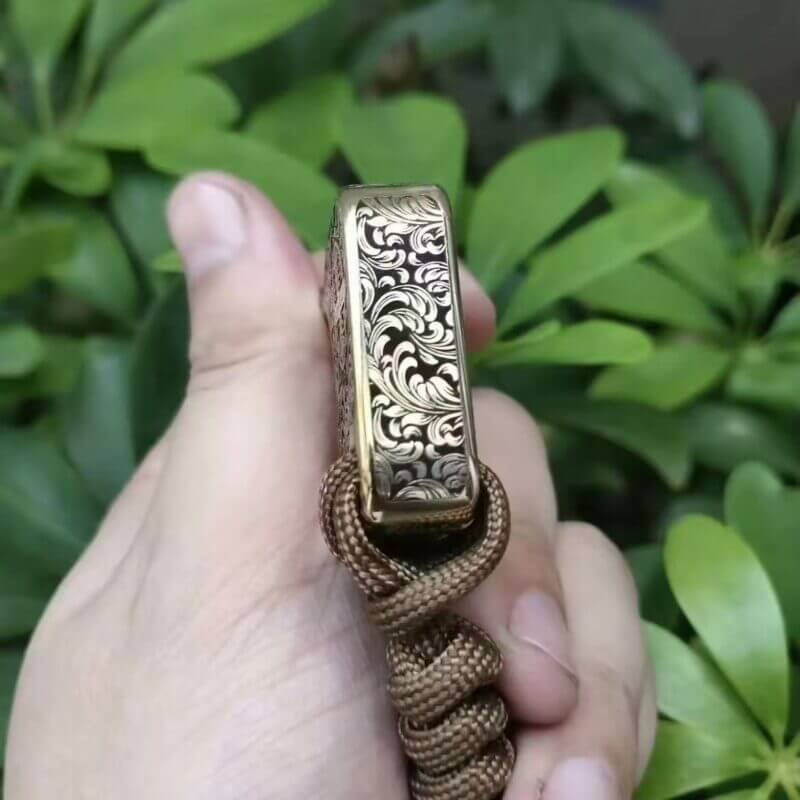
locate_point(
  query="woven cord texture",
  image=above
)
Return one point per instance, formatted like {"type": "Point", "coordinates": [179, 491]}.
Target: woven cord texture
{"type": "Point", "coordinates": [441, 666]}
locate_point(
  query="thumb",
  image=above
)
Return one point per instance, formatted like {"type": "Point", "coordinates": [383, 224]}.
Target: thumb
{"type": "Point", "coordinates": [254, 434]}
{"type": "Point", "coordinates": [253, 289]}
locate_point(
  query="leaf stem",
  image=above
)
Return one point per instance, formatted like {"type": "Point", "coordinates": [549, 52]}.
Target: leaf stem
{"type": "Point", "coordinates": [765, 790]}
{"type": "Point", "coordinates": [41, 91]}
{"type": "Point", "coordinates": [83, 88]}
{"type": "Point", "coordinates": [18, 179]}
{"type": "Point", "coordinates": [791, 790]}
{"type": "Point", "coordinates": [780, 223]}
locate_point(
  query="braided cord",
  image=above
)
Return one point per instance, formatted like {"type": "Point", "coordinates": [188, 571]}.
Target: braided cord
{"type": "Point", "coordinates": [441, 667]}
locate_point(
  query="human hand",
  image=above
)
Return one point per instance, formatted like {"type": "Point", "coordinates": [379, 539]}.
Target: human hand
{"type": "Point", "coordinates": [206, 645]}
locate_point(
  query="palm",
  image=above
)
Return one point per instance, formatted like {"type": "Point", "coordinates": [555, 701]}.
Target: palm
{"type": "Point", "coordinates": [261, 667]}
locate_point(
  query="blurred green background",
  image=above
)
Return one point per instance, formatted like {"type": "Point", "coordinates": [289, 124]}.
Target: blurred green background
{"type": "Point", "coordinates": [626, 182]}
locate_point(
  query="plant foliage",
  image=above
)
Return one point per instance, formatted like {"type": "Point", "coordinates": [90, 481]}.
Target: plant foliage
{"type": "Point", "coordinates": [647, 304]}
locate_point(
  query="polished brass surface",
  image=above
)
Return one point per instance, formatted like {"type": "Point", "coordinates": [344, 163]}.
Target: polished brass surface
{"type": "Point", "coordinates": [393, 307]}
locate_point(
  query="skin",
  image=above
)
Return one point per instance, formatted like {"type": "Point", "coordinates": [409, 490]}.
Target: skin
{"type": "Point", "coordinates": [207, 645]}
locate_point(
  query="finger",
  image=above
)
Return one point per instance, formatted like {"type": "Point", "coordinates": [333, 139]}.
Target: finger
{"type": "Point", "coordinates": [520, 604]}
{"type": "Point", "coordinates": [479, 311]}
{"type": "Point", "coordinates": [260, 399]}
{"type": "Point", "coordinates": [594, 753]}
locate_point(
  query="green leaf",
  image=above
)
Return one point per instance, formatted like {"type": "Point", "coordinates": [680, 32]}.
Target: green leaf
{"type": "Point", "coordinates": [736, 612]}
{"type": "Point", "coordinates": [525, 46]}
{"type": "Point", "coordinates": [305, 121]}
{"type": "Point", "coordinates": [695, 176]}
{"type": "Point", "coordinates": [30, 247]}
{"type": "Point", "coordinates": [531, 193]}
{"type": "Point", "coordinates": [791, 167]}
{"type": "Point", "coordinates": [739, 132]}
{"type": "Point", "coordinates": [414, 138]}
{"type": "Point", "coordinates": [591, 342]}
{"type": "Point", "coordinates": [642, 291]}
{"type": "Point", "coordinates": [686, 759]}
{"type": "Point", "coordinates": [315, 46]}
{"type": "Point", "coordinates": [463, 212]}
{"type": "Point", "coordinates": [784, 348]}
{"type": "Point", "coordinates": [794, 711]}
{"type": "Point", "coordinates": [658, 439]}
{"type": "Point", "coordinates": [497, 351]}
{"type": "Point", "coordinates": [673, 376]}
{"type": "Point", "coordinates": [690, 690]}
{"type": "Point", "coordinates": [701, 258]}
{"type": "Point", "coordinates": [760, 272]}
{"type": "Point", "coordinates": [765, 513]}
{"type": "Point", "coordinates": [21, 350]}
{"type": "Point", "coordinates": [656, 603]}
{"type": "Point", "coordinates": [773, 384]}
{"type": "Point", "coordinates": [207, 31]}
{"type": "Point", "coordinates": [139, 206]}
{"type": "Point", "coordinates": [23, 597]}
{"type": "Point", "coordinates": [159, 368]}
{"type": "Point", "coordinates": [98, 271]}
{"type": "Point", "coordinates": [438, 30]}
{"type": "Point", "coordinates": [57, 373]}
{"type": "Point", "coordinates": [632, 63]}
{"type": "Point", "coordinates": [10, 664]}
{"type": "Point", "coordinates": [46, 515]}
{"type": "Point", "coordinates": [97, 428]}
{"type": "Point", "coordinates": [130, 114]}
{"type": "Point", "coordinates": [14, 130]}
{"type": "Point", "coordinates": [787, 323]}
{"type": "Point", "coordinates": [703, 501]}
{"type": "Point", "coordinates": [723, 436]}
{"type": "Point", "coordinates": [304, 196]}
{"type": "Point", "coordinates": [108, 22]}
{"type": "Point", "coordinates": [169, 261]}
{"type": "Point", "coordinates": [702, 261]}
{"type": "Point", "coordinates": [597, 249]}
{"type": "Point", "coordinates": [45, 27]}
{"type": "Point", "coordinates": [73, 169]}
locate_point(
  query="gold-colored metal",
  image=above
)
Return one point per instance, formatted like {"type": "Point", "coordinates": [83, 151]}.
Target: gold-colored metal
{"type": "Point", "coordinates": [393, 307]}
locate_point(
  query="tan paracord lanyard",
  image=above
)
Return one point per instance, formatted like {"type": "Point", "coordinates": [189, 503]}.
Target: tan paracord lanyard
{"type": "Point", "coordinates": [408, 508]}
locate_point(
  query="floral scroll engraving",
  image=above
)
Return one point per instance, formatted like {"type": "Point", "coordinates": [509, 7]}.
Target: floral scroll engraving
{"type": "Point", "coordinates": [410, 342]}
{"type": "Point", "coordinates": [411, 398]}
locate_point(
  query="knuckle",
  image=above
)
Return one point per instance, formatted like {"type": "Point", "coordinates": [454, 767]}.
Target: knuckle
{"type": "Point", "coordinates": [533, 559]}
{"type": "Point", "coordinates": [251, 343]}
{"type": "Point", "coordinates": [237, 319]}
{"type": "Point", "coordinates": [609, 680]}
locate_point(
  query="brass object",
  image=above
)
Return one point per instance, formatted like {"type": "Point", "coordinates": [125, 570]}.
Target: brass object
{"type": "Point", "coordinates": [392, 302]}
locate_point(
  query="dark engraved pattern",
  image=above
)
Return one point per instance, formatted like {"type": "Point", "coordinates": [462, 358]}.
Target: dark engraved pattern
{"type": "Point", "coordinates": [410, 343]}
{"type": "Point", "coordinates": [402, 399]}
